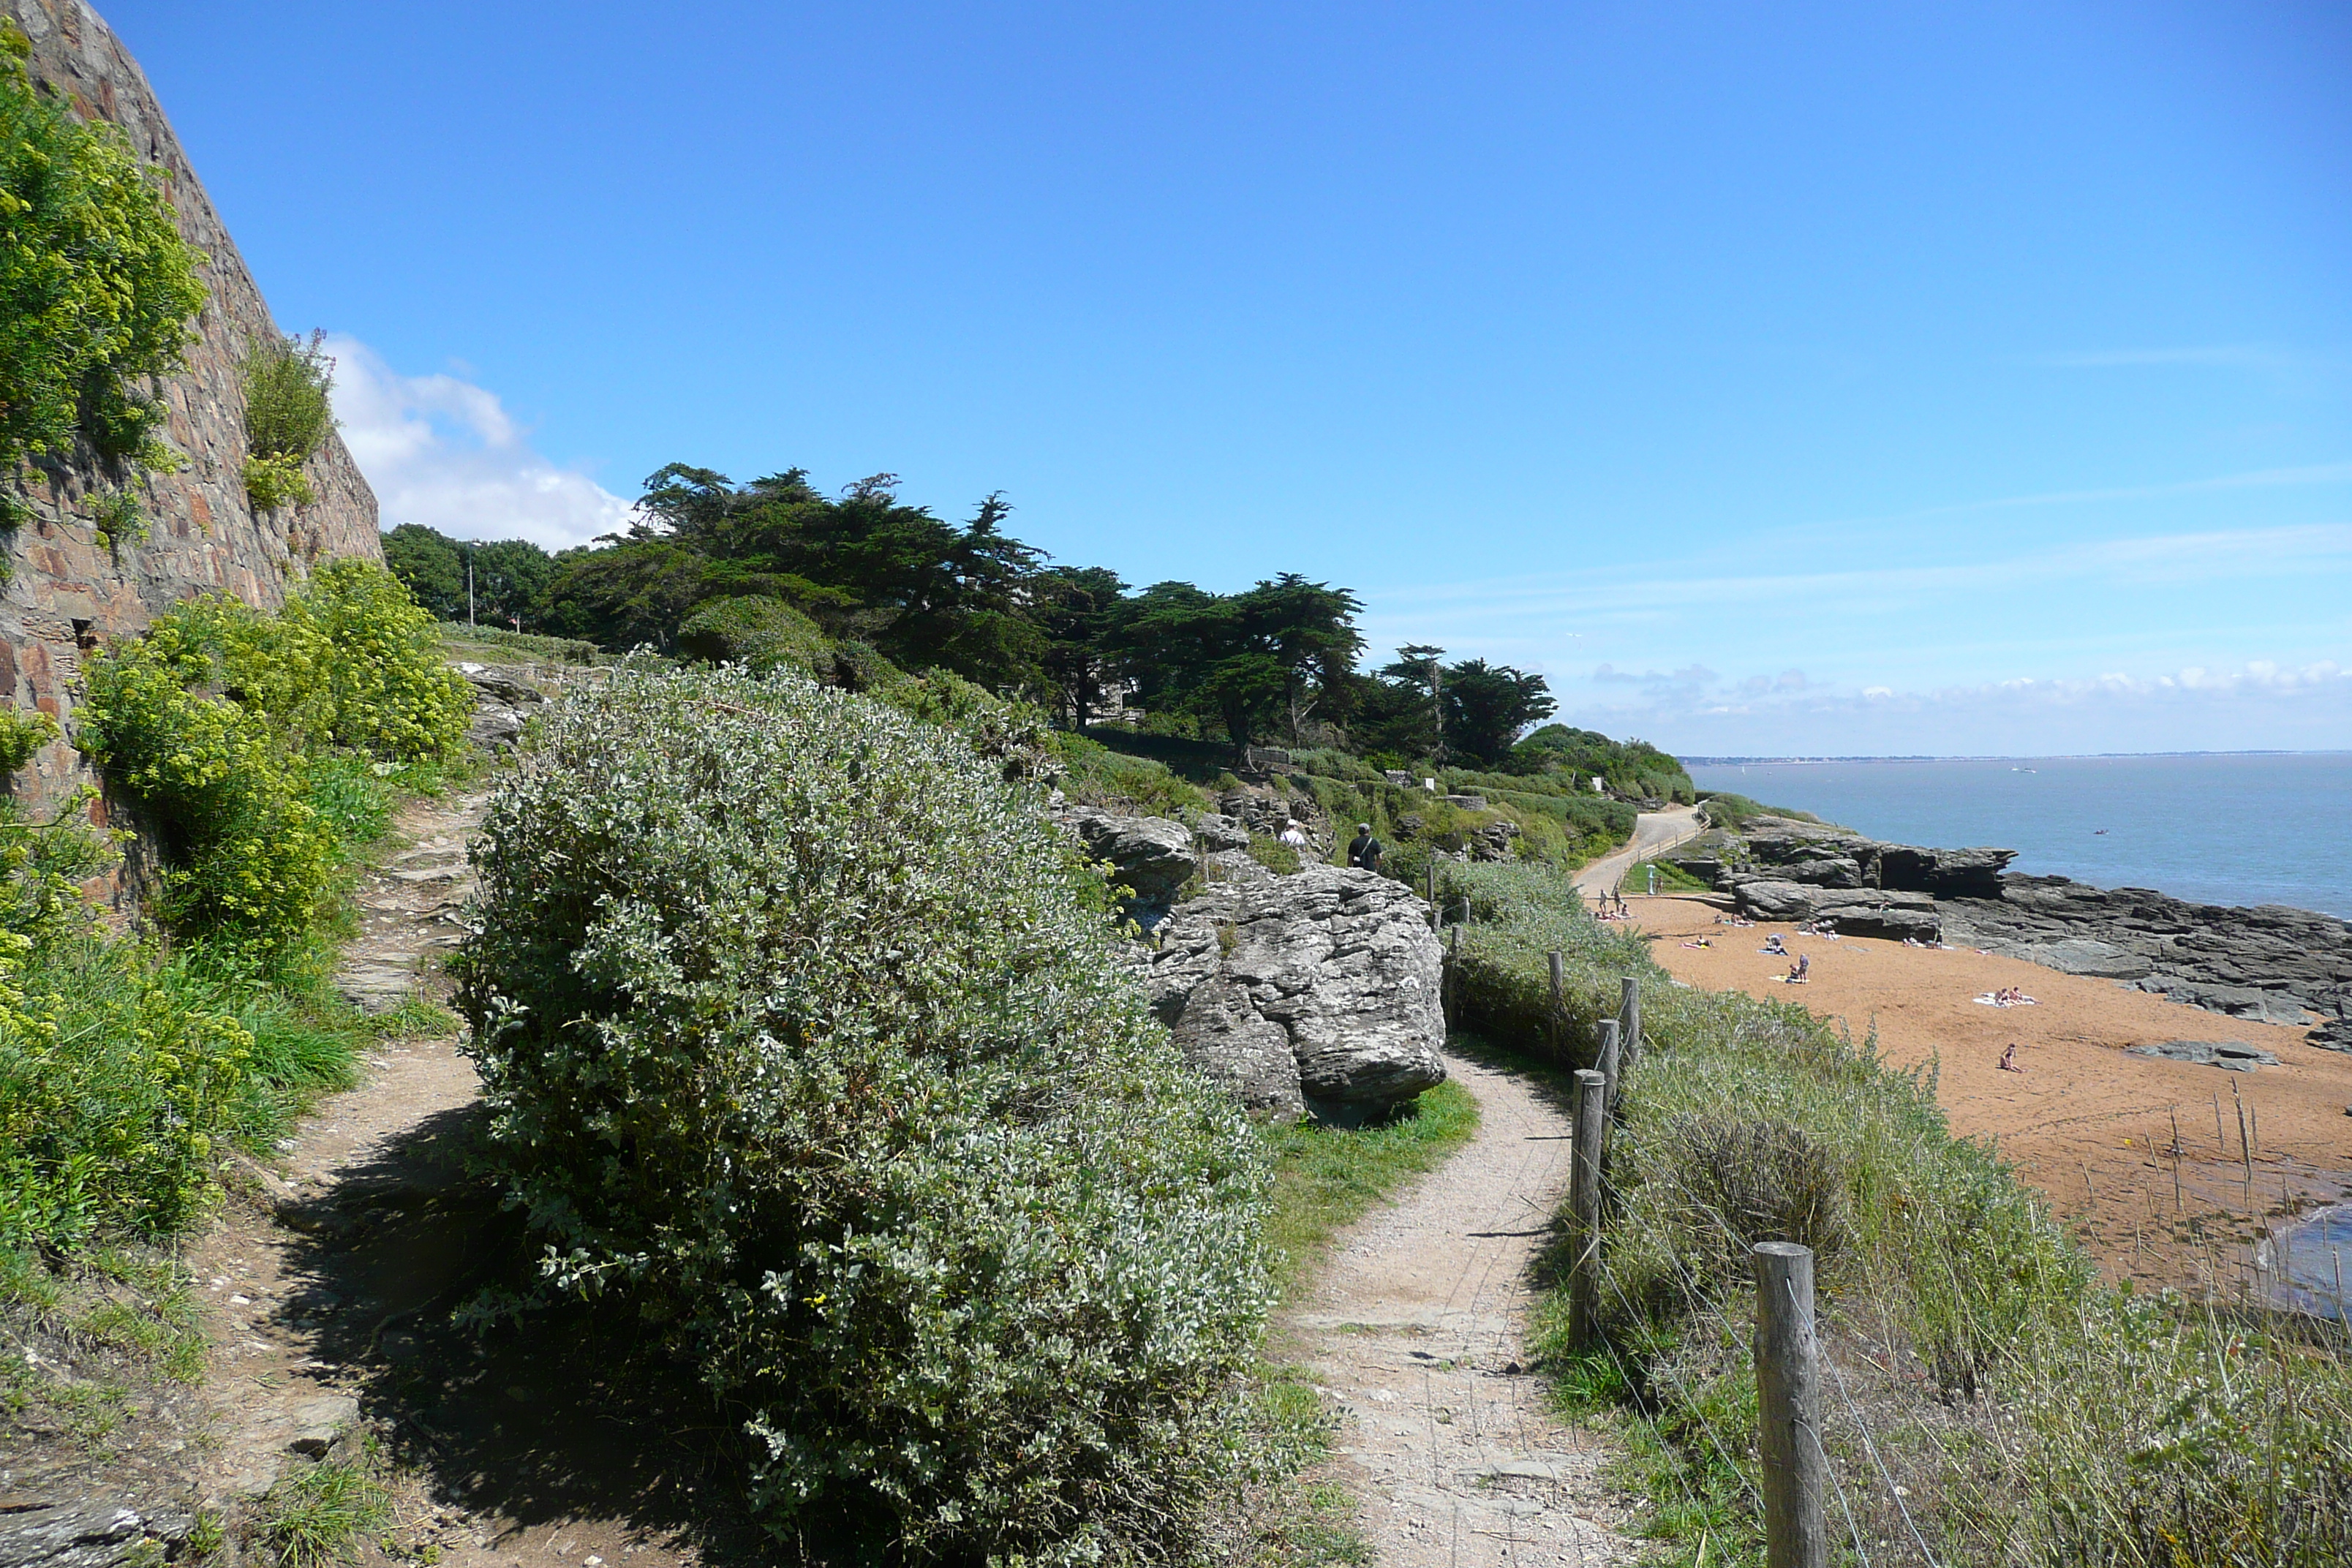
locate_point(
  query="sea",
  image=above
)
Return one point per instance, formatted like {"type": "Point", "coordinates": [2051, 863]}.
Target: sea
{"type": "Point", "coordinates": [2245, 827]}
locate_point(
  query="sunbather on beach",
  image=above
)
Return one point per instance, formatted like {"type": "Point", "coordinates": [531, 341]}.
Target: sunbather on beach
{"type": "Point", "coordinates": [1801, 971]}
{"type": "Point", "coordinates": [1773, 945]}
{"type": "Point", "coordinates": [2009, 1058]}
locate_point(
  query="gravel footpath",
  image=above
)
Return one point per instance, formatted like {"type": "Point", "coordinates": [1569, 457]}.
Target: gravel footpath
{"type": "Point", "coordinates": [1417, 1332]}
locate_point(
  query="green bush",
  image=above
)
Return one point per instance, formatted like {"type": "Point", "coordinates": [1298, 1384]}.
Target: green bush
{"type": "Point", "coordinates": [123, 1073]}
{"type": "Point", "coordinates": [805, 1030]}
{"type": "Point", "coordinates": [1731, 812]}
{"type": "Point", "coordinates": [96, 285]}
{"type": "Point", "coordinates": [287, 414]}
{"type": "Point", "coordinates": [759, 632]}
{"type": "Point", "coordinates": [494, 641]}
{"type": "Point", "coordinates": [223, 723]}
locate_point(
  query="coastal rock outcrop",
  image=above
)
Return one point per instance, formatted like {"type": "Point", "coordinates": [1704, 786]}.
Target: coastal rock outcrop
{"type": "Point", "coordinates": [1833, 858]}
{"type": "Point", "coordinates": [1318, 990]}
{"type": "Point", "coordinates": [1855, 912]}
{"type": "Point", "coordinates": [2270, 962]}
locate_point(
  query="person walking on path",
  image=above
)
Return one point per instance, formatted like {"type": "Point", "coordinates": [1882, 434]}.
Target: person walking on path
{"type": "Point", "coordinates": [1364, 850]}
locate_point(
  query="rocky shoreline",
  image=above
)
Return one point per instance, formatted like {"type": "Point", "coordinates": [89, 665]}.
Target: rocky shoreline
{"type": "Point", "coordinates": [2271, 962]}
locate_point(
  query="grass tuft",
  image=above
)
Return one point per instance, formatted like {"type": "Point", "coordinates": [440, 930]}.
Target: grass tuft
{"type": "Point", "coordinates": [323, 1514]}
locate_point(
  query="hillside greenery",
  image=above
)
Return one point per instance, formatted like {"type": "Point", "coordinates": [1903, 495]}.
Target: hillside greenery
{"type": "Point", "coordinates": [288, 415]}
{"type": "Point", "coordinates": [850, 587]}
{"type": "Point", "coordinates": [97, 287]}
{"type": "Point", "coordinates": [802, 1031]}
{"type": "Point", "coordinates": [2030, 1413]}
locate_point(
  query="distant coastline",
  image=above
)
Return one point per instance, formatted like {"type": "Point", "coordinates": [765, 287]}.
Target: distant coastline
{"type": "Point", "coordinates": [2226, 829]}
{"type": "Point", "coordinates": [1695, 762]}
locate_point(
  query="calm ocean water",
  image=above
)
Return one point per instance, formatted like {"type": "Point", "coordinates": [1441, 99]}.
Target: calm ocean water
{"type": "Point", "coordinates": [2261, 829]}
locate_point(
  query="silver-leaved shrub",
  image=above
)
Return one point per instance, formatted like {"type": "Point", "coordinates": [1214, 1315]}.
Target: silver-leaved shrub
{"type": "Point", "coordinates": [802, 1028]}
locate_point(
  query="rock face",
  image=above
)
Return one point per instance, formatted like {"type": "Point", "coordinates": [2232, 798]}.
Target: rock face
{"type": "Point", "coordinates": [1154, 857]}
{"type": "Point", "coordinates": [1856, 912]}
{"type": "Point", "coordinates": [1313, 992]}
{"type": "Point", "coordinates": [1833, 858]}
{"type": "Point", "coordinates": [69, 593]}
{"type": "Point", "coordinates": [2269, 963]}
{"type": "Point", "coordinates": [2227, 1054]}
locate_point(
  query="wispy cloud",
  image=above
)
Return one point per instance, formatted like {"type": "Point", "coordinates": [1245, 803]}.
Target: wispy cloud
{"type": "Point", "coordinates": [442, 451]}
{"type": "Point", "coordinates": [2215, 555]}
{"type": "Point", "coordinates": [2258, 703]}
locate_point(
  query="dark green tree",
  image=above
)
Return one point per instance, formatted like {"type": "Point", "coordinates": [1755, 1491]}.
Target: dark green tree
{"type": "Point", "coordinates": [430, 567]}
{"type": "Point", "coordinates": [1487, 706]}
{"type": "Point", "coordinates": [1257, 662]}
{"type": "Point", "coordinates": [509, 576]}
{"type": "Point", "coordinates": [1075, 609]}
{"type": "Point", "coordinates": [630, 595]}
{"type": "Point", "coordinates": [924, 591]}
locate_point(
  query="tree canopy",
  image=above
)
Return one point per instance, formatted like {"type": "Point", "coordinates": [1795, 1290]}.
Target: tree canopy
{"type": "Point", "coordinates": [704, 558]}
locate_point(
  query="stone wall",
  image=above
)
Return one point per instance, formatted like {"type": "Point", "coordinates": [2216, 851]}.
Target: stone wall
{"type": "Point", "coordinates": [67, 593]}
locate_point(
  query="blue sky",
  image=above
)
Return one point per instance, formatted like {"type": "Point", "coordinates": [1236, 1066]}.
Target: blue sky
{"type": "Point", "coordinates": [1800, 379]}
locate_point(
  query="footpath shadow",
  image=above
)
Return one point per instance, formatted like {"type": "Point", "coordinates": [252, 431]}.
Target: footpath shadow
{"type": "Point", "coordinates": [564, 1414]}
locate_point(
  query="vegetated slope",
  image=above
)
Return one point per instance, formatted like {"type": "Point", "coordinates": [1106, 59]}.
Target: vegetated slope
{"type": "Point", "coordinates": [2029, 1414]}
{"type": "Point", "coordinates": [804, 1030]}
{"type": "Point", "coordinates": [142, 498]}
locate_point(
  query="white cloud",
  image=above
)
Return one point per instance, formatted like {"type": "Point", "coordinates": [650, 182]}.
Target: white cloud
{"type": "Point", "coordinates": [441, 451]}
{"type": "Point", "coordinates": [2258, 704]}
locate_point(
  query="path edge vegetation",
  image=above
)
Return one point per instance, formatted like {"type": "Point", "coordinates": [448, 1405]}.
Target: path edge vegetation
{"type": "Point", "coordinates": [145, 1070]}
{"type": "Point", "coordinates": [2028, 1412]}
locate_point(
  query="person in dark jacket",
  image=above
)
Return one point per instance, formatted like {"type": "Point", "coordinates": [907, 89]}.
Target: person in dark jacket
{"type": "Point", "coordinates": [1364, 850]}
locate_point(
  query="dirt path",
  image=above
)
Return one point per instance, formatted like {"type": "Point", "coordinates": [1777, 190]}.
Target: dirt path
{"type": "Point", "coordinates": [279, 1391]}
{"type": "Point", "coordinates": [330, 1298]}
{"type": "Point", "coordinates": [1652, 831]}
{"type": "Point", "coordinates": [1417, 1331]}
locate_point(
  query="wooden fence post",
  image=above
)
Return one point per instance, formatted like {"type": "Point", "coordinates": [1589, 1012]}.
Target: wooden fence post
{"type": "Point", "coordinates": [1789, 1407]}
{"type": "Point", "coordinates": [1584, 1202]}
{"type": "Point", "coordinates": [1607, 1060]}
{"type": "Point", "coordinates": [1629, 1018]}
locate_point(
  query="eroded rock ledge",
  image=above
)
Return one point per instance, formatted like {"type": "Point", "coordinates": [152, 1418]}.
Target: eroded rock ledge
{"type": "Point", "coordinates": [2269, 963]}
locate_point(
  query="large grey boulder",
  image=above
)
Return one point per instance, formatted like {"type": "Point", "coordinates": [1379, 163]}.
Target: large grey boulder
{"type": "Point", "coordinates": [1313, 992]}
{"type": "Point", "coordinates": [1150, 856]}
{"type": "Point", "coordinates": [504, 699]}
{"type": "Point", "coordinates": [2331, 1035]}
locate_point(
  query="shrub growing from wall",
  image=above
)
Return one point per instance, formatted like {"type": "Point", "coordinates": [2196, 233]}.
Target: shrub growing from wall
{"type": "Point", "coordinates": [802, 1028]}
{"type": "Point", "coordinates": [96, 285]}
{"type": "Point", "coordinates": [231, 727]}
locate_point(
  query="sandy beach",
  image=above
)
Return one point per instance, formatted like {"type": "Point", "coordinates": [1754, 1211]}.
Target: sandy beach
{"type": "Point", "coordinates": [2093, 1128]}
